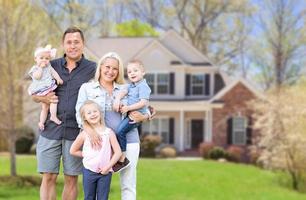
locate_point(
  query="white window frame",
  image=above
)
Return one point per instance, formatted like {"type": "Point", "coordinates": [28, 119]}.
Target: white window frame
{"type": "Point", "coordinates": [159, 128]}
{"type": "Point", "coordinates": [197, 85]}
{"type": "Point", "coordinates": [156, 83]}
{"type": "Point", "coordinates": [239, 129]}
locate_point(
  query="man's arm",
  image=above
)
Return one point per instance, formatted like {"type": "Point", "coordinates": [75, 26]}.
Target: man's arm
{"type": "Point", "coordinates": [49, 98]}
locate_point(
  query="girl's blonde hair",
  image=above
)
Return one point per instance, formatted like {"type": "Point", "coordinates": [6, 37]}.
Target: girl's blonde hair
{"type": "Point", "coordinates": [83, 110]}
{"type": "Point", "coordinates": [120, 77]}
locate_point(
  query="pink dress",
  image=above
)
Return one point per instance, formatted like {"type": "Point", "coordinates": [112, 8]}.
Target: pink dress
{"type": "Point", "coordinates": [95, 159]}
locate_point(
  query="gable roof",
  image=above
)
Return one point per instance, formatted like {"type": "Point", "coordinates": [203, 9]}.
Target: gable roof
{"type": "Point", "coordinates": [126, 47]}
{"type": "Point", "coordinates": [183, 48]}
{"type": "Point", "coordinates": [227, 88]}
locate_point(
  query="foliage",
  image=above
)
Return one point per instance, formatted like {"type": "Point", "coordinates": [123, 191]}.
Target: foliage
{"type": "Point", "coordinates": [165, 151]}
{"type": "Point", "coordinates": [280, 118]}
{"type": "Point", "coordinates": [135, 28]}
{"type": "Point", "coordinates": [25, 139]}
{"type": "Point", "coordinates": [204, 149]}
{"type": "Point", "coordinates": [234, 153]}
{"type": "Point", "coordinates": [148, 143]}
{"type": "Point", "coordinates": [216, 153]}
{"type": "Point", "coordinates": [23, 27]}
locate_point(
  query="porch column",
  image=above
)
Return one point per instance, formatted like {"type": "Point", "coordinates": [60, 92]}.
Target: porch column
{"type": "Point", "coordinates": [208, 125]}
{"type": "Point", "coordinates": [182, 130]}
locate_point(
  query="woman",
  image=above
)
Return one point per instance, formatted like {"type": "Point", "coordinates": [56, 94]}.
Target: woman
{"type": "Point", "coordinates": [107, 83]}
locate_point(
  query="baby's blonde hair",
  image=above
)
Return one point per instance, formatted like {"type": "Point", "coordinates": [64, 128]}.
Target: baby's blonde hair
{"type": "Point", "coordinates": [83, 110]}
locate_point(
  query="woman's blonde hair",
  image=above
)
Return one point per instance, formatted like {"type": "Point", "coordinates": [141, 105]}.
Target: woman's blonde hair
{"type": "Point", "coordinates": [120, 77]}
{"type": "Point", "coordinates": [83, 110]}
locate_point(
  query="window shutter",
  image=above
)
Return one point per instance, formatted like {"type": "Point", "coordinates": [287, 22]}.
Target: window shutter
{"type": "Point", "coordinates": [187, 84]}
{"type": "Point", "coordinates": [249, 131]}
{"type": "Point", "coordinates": [230, 130]}
{"type": "Point", "coordinates": [172, 82]}
{"type": "Point", "coordinates": [207, 84]}
{"type": "Point", "coordinates": [171, 131]}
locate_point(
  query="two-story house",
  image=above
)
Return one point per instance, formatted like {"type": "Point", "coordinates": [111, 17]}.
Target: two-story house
{"type": "Point", "coordinates": [195, 101]}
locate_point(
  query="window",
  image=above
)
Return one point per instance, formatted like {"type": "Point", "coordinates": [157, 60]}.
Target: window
{"type": "Point", "coordinates": [159, 126]}
{"type": "Point", "coordinates": [197, 84]}
{"type": "Point", "coordinates": [159, 83]}
{"type": "Point", "coordinates": [239, 130]}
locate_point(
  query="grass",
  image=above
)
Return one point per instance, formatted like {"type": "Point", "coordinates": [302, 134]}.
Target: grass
{"type": "Point", "coordinates": [172, 180]}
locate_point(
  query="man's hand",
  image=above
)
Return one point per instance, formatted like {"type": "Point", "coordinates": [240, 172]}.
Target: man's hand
{"type": "Point", "coordinates": [49, 98]}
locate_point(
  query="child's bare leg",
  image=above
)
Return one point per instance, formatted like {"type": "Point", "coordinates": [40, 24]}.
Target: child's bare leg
{"type": "Point", "coordinates": [43, 115]}
{"type": "Point", "coordinates": [53, 111]}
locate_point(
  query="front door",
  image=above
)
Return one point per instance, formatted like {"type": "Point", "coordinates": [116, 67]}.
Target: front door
{"type": "Point", "coordinates": [197, 127]}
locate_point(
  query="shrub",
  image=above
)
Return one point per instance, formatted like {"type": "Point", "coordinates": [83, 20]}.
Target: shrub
{"type": "Point", "coordinates": [166, 151]}
{"type": "Point", "coordinates": [217, 152]}
{"type": "Point", "coordinates": [204, 149]}
{"type": "Point", "coordinates": [234, 153]}
{"type": "Point", "coordinates": [25, 139]}
{"type": "Point", "coordinates": [148, 143]}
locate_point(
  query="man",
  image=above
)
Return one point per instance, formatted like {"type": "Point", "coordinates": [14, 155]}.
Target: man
{"type": "Point", "coordinates": [55, 140]}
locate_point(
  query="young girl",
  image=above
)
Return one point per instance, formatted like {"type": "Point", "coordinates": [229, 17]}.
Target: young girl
{"type": "Point", "coordinates": [97, 163]}
{"type": "Point", "coordinates": [43, 82]}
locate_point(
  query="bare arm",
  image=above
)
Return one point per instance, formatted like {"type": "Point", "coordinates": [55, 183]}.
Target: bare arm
{"type": "Point", "coordinates": [139, 117]}
{"type": "Point", "coordinates": [75, 148]}
{"type": "Point", "coordinates": [56, 76]}
{"type": "Point", "coordinates": [49, 98]}
{"type": "Point", "coordinates": [116, 104]}
{"type": "Point", "coordinates": [140, 104]}
{"type": "Point", "coordinates": [95, 139]}
{"type": "Point", "coordinates": [37, 74]}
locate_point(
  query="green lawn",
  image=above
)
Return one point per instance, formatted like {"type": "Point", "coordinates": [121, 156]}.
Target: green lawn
{"type": "Point", "coordinates": [174, 180]}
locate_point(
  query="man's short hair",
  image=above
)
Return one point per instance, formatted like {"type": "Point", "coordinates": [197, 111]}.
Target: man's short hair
{"type": "Point", "coordinates": [73, 29]}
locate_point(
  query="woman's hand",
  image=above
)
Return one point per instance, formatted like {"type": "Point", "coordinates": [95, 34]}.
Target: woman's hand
{"type": "Point", "coordinates": [137, 116]}
{"type": "Point", "coordinates": [95, 139]}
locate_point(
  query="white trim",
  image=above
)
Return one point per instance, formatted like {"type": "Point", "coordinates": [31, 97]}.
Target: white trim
{"type": "Point", "coordinates": [181, 140]}
{"type": "Point", "coordinates": [192, 48]}
{"type": "Point", "coordinates": [156, 42]}
{"type": "Point", "coordinates": [226, 89]}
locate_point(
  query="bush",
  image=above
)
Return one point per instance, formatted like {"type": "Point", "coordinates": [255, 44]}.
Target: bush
{"type": "Point", "coordinates": [166, 151]}
{"type": "Point", "coordinates": [148, 143]}
{"type": "Point", "coordinates": [204, 149]}
{"type": "Point", "coordinates": [216, 153]}
{"type": "Point", "coordinates": [25, 139]}
{"type": "Point", "coordinates": [234, 153]}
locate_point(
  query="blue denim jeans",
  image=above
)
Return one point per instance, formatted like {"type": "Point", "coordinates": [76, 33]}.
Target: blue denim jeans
{"type": "Point", "coordinates": [95, 185]}
{"type": "Point", "coordinates": [124, 127]}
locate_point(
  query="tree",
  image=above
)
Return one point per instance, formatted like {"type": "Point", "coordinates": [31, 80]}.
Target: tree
{"type": "Point", "coordinates": [280, 118]}
{"type": "Point", "coordinates": [135, 28]}
{"type": "Point", "coordinates": [22, 28]}
{"type": "Point", "coordinates": [279, 44]}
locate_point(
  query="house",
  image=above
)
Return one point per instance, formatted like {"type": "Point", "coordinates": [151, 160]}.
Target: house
{"type": "Point", "coordinates": [195, 101]}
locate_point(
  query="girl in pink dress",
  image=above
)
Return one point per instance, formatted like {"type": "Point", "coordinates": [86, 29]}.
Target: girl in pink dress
{"type": "Point", "coordinates": [97, 163]}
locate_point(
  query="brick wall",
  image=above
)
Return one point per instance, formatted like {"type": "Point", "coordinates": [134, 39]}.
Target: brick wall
{"type": "Point", "coordinates": [234, 104]}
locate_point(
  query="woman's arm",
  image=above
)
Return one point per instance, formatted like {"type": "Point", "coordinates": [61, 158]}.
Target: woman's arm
{"type": "Point", "coordinates": [139, 117]}
{"type": "Point", "coordinates": [116, 153]}
{"type": "Point", "coordinates": [94, 137]}
{"type": "Point", "coordinates": [75, 148]}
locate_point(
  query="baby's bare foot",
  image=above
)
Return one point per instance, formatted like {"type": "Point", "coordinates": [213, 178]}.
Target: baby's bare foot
{"type": "Point", "coordinates": [41, 126]}
{"type": "Point", "coordinates": [56, 120]}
